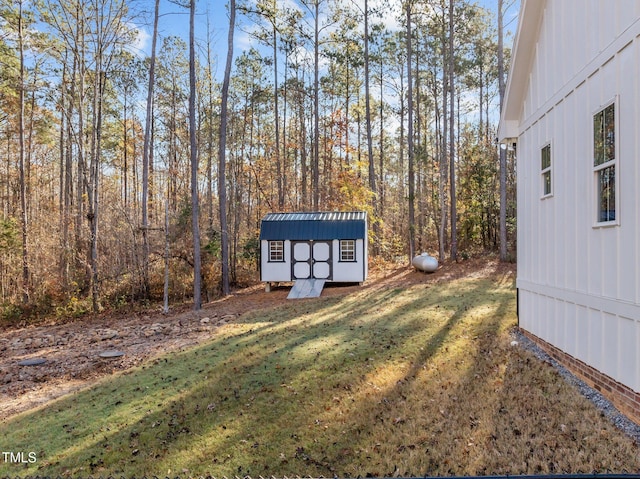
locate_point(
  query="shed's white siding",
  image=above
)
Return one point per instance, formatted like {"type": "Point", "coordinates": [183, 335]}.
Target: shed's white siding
{"type": "Point", "coordinates": [275, 271]}
{"type": "Point", "coordinates": [350, 272]}
{"type": "Point", "coordinates": [579, 284]}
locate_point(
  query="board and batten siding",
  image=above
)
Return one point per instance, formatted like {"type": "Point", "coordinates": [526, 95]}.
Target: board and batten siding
{"type": "Point", "coordinates": [579, 283]}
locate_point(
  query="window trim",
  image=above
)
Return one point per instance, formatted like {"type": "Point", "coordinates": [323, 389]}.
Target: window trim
{"type": "Point", "coordinates": [271, 251]}
{"type": "Point", "coordinates": [342, 251]}
{"type": "Point", "coordinates": [598, 168]}
{"type": "Point", "coordinates": [544, 171]}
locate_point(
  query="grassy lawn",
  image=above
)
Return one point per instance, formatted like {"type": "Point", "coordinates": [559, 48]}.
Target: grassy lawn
{"type": "Point", "coordinates": [408, 381]}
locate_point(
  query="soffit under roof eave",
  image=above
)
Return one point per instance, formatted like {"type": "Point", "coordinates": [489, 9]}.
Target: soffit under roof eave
{"type": "Point", "coordinates": [524, 49]}
{"type": "Point", "coordinates": [508, 129]}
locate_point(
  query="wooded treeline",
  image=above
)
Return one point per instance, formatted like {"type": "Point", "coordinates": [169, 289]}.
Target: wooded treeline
{"type": "Point", "coordinates": [399, 121]}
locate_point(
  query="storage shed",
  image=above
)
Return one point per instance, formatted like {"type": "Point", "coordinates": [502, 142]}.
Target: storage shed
{"type": "Point", "coordinates": [327, 246]}
{"type": "Point", "coordinates": [572, 108]}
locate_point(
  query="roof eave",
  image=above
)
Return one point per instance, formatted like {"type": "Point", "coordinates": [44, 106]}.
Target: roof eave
{"type": "Point", "coordinates": [508, 129]}
{"type": "Point", "coordinates": [531, 12]}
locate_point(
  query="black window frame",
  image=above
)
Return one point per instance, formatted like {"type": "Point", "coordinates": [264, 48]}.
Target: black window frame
{"type": "Point", "coordinates": [606, 164]}
{"type": "Point", "coordinates": [546, 170]}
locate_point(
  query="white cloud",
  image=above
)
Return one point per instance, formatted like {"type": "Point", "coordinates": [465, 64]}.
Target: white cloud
{"type": "Point", "coordinates": [142, 41]}
{"type": "Point", "coordinates": [244, 40]}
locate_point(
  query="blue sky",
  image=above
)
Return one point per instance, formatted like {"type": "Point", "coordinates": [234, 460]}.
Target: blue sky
{"type": "Point", "coordinates": [212, 15]}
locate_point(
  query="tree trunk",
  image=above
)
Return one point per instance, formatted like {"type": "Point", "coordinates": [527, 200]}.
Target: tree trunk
{"type": "Point", "coordinates": [452, 163]}
{"type": "Point", "coordinates": [304, 166]}
{"type": "Point", "coordinates": [503, 151]}
{"type": "Point", "coordinates": [68, 178]}
{"type": "Point", "coordinates": [210, 148]}
{"type": "Point", "coordinates": [276, 112]}
{"type": "Point", "coordinates": [315, 173]}
{"type": "Point", "coordinates": [165, 295]}
{"type": "Point", "coordinates": [412, 227]}
{"type": "Point", "coordinates": [481, 94]}
{"type": "Point", "coordinates": [381, 192]}
{"type": "Point", "coordinates": [401, 177]}
{"type": "Point", "coordinates": [93, 187]}
{"type": "Point", "coordinates": [146, 157]}
{"type": "Point", "coordinates": [23, 183]}
{"type": "Point", "coordinates": [62, 202]}
{"type": "Point", "coordinates": [443, 152]}
{"type": "Point", "coordinates": [222, 145]}
{"type": "Point", "coordinates": [372, 169]}
{"type": "Point", "coordinates": [82, 162]}
{"type": "Point", "coordinates": [195, 204]}
{"type": "Point", "coordinates": [417, 134]}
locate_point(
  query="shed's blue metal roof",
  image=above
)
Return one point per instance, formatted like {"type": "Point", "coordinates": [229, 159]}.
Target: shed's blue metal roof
{"type": "Point", "coordinates": [322, 225]}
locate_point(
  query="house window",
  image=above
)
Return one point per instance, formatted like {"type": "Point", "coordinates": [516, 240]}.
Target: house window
{"type": "Point", "coordinates": [347, 250]}
{"type": "Point", "coordinates": [604, 163]}
{"type": "Point", "coordinates": [546, 170]}
{"type": "Point", "coordinates": [276, 251]}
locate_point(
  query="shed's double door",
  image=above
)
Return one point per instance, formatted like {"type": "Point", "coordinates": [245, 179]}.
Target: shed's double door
{"type": "Point", "coordinates": [311, 259]}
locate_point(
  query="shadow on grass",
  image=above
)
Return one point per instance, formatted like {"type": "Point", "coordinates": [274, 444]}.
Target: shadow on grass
{"type": "Point", "coordinates": [262, 386]}
{"type": "Point", "coordinates": [367, 383]}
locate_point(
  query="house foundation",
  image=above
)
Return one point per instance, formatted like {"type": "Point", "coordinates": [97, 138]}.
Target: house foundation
{"type": "Point", "coordinates": [625, 399]}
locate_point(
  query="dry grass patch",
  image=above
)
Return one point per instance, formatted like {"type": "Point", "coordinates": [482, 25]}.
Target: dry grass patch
{"type": "Point", "coordinates": [405, 381]}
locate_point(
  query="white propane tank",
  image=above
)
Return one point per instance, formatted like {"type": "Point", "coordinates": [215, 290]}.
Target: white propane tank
{"type": "Point", "coordinates": [424, 262]}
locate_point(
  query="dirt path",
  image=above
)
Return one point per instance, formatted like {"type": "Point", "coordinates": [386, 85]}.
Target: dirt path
{"type": "Point", "coordinates": [72, 350]}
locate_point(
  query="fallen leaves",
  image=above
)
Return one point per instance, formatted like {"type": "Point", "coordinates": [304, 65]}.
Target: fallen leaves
{"type": "Point", "coordinates": [402, 384]}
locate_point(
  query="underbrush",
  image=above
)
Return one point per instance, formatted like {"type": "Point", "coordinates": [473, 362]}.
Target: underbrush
{"type": "Point", "coordinates": [51, 305]}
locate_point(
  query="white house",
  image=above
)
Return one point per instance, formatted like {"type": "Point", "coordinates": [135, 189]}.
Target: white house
{"type": "Point", "coordinates": [326, 246]}
{"type": "Point", "coordinates": [572, 109]}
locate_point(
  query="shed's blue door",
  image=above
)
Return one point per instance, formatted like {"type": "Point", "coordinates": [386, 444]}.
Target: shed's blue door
{"type": "Point", "coordinates": [311, 259]}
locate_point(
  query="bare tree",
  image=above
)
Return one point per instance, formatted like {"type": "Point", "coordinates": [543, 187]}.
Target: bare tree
{"type": "Point", "coordinates": [108, 33]}
{"type": "Point", "coordinates": [315, 168]}
{"type": "Point", "coordinates": [442, 181]}
{"type": "Point", "coordinates": [195, 204]}
{"type": "Point", "coordinates": [146, 156]}
{"type": "Point", "coordinates": [503, 152]}
{"type": "Point", "coordinates": [372, 174]}
{"type": "Point", "coordinates": [412, 220]}
{"type": "Point", "coordinates": [222, 145]}
{"type": "Point", "coordinates": [276, 108]}
{"type": "Point", "coordinates": [367, 93]}
{"type": "Point", "coordinates": [452, 164]}
{"type": "Point", "coordinates": [23, 182]}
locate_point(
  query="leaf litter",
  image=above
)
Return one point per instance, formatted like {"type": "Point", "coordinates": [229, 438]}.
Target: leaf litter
{"type": "Point", "coordinates": [393, 379]}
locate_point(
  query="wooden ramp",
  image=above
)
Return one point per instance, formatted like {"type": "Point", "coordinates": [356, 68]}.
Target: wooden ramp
{"type": "Point", "coordinates": [306, 288]}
